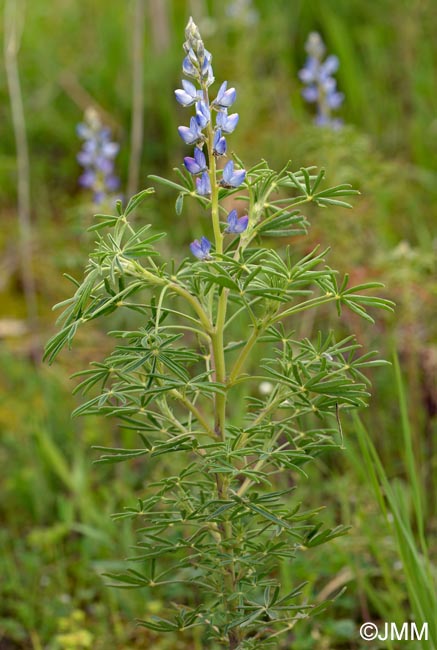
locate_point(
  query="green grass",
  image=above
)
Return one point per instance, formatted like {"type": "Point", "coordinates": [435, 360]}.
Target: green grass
{"type": "Point", "coordinates": [403, 504]}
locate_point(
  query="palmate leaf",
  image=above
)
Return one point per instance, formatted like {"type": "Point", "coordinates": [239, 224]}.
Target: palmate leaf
{"type": "Point", "coordinates": [308, 184]}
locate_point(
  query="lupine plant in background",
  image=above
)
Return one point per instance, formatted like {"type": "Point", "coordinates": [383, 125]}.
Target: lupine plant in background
{"type": "Point", "coordinates": [320, 84]}
{"type": "Point", "coordinates": [215, 327]}
{"type": "Point", "coordinates": [97, 157]}
{"type": "Point", "coordinates": [242, 11]}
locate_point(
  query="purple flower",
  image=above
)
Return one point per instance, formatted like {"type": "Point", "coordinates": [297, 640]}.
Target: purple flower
{"type": "Point", "coordinates": [203, 185]}
{"type": "Point", "coordinates": [197, 164]}
{"type": "Point", "coordinates": [191, 134]}
{"type": "Point", "coordinates": [232, 177]}
{"type": "Point", "coordinates": [112, 183]}
{"type": "Point", "coordinates": [203, 114]}
{"type": "Point", "coordinates": [334, 123]}
{"type": "Point", "coordinates": [188, 68]}
{"type": "Point", "coordinates": [219, 144]}
{"type": "Point", "coordinates": [321, 87]}
{"type": "Point", "coordinates": [110, 149]}
{"type": "Point", "coordinates": [201, 249]}
{"type": "Point", "coordinates": [330, 66]}
{"type": "Point", "coordinates": [309, 72]}
{"type": "Point", "coordinates": [335, 100]}
{"type": "Point", "coordinates": [97, 156]}
{"type": "Point", "coordinates": [87, 179]}
{"type": "Point", "coordinates": [225, 97]}
{"type": "Point", "coordinates": [189, 95]}
{"type": "Point", "coordinates": [225, 122]}
{"type": "Point", "coordinates": [310, 94]}
{"type": "Point", "coordinates": [236, 225]}
{"type": "Point", "coordinates": [206, 70]}
{"type": "Point", "coordinates": [83, 131]}
{"type": "Point", "coordinates": [85, 157]}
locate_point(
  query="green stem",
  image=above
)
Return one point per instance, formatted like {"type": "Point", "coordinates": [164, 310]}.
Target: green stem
{"type": "Point", "coordinates": [243, 356]}
{"type": "Point", "coordinates": [218, 237]}
{"type": "Point", "coordinates": [181, 291]}
{"type": "Point", "coordinates": [193, 409]}
{"type": "Point", "coordinates": [219, 365]}
{"type": "Point", "coordinates": [247, 484]}
{"type": "Point", "coordinates": [217, 336]}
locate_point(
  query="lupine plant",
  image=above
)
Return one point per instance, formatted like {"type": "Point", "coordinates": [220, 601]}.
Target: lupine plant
{"type": "Point", "coordinates": [215, 380]}
{"type": "Point", "coordinates": [97, 157]}
{"type": "Point", "coordinates": [320, 84]}
{"type": "Point", "coordinates": [242, 11]}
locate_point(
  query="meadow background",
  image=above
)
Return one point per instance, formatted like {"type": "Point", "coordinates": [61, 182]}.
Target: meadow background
{"type": "Point", "coordinates": [56, 535]}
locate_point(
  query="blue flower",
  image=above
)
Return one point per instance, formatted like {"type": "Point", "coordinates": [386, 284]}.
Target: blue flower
{"type": "Point", "coordinates": [189, 95]}
{"type": "Point", "coordinates": [197, 63]}
{"type": "Point", "coordinates": [197, 164]}
{"type": "Point", "coordinates": [335, 99]}
{"type": "Point", "coordinates": [97, 156]}
{"type": "Point", "coordinates": [203, 185]}
{"type": "Point", "coordinates": [201, 249]}
{"type": "Point", "coordinates": [232, 177]}
{"type": "Point", "coordinates": [191, 134]}
{"type": "Point", "coordinates": [87, 179]}
{"type": "Point", "coordinates": [225, 96]}
{"type": "Point", "coordinates": [321, 87]}
{"type": "Point", "coordinates": [310, 94]}
{"type": "Point", "coordinates": [203, 114]}
{"type": "Point", "coordinates": [236, 225]}
{"type": "Point", "coordinates": [330, 66]}
{"type": "Point", "coordinates": [334, 123]}
{"type": "Point", "coordinates": [188, 68]}
{"type": "Point", "coordinates": [309, 72]}
{"type": "Point", "coordinates": [225, 122]}
{"type": "Point", "coordinates": [206, 69]}
{"type": "Point", "coordinates": [219, 144]}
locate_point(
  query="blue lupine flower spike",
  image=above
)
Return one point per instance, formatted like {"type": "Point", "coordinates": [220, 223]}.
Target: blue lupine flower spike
{"type": "Point", "coordinates": [321, 87]}
{"type": "Point", "coordinates": [232, 177]}
{"type": "Point", "coordinates": [97, 157]}
{"type": "Point", "coordinates": [201, 249]}
{"type": "Point", "coordinates": [236, 225]}
{"type": "Point", "coordinates": [197, 65]}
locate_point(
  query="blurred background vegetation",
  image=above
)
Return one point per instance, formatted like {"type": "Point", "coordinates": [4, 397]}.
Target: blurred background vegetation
{"type": "Point", "coordinates": [56, 534]}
